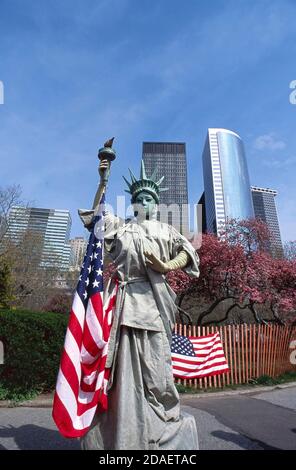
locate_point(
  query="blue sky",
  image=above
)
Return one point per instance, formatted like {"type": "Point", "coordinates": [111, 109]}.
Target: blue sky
{"type": "Point", "coordinates": [78, 72]}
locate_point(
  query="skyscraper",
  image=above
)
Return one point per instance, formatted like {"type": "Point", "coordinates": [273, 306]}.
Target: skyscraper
{"type": "Point", "coordinates": [265, 209]}
{"type": "Point", "coordinates": [227, 191]}
{"type": "Point", "coordinates": [78, 248]}
{"type": "Point", "coordinates": [170, 160]}
{"type": "Point", "coordinates": [52, 227]}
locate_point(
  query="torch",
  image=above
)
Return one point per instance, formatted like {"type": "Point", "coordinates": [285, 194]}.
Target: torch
{"type": "Point", "coordinates": [107, 153]}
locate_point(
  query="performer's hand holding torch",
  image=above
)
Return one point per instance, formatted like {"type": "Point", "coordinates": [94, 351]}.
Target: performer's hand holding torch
{"type": "Point", "coordinates": [106, 155]}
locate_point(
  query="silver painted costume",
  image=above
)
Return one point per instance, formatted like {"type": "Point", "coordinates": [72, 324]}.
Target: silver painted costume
{"type": "Point", "coordinates": [144, 409]}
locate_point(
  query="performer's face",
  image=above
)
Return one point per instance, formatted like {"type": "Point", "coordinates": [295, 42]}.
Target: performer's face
{"type": "Point", "coordinates": [144, 205]}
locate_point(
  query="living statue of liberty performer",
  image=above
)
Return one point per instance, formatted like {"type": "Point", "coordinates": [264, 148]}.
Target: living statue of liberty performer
{"type": "Point", "coordinates": [143, 403]}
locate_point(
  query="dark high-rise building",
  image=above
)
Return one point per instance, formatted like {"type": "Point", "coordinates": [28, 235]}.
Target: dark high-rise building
{"type": "Point", "coordinates": [265, 209]}
{"type": "Point", "coordinates": [170, 160]}
{"type": "Point", "coordinates": [202, 221]}
{"type": "Point", "coordinates": [227, 192]}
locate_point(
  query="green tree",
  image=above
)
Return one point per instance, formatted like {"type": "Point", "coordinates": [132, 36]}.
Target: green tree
{"type": "Point", "coordinates": [6, 284]}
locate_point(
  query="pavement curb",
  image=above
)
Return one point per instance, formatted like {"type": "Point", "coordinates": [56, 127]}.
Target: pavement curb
{"type": "Point", "coordinates": [38, 402]}
{"type": "Point", "coordinates": [251, 390]}
{"type": "Point", "coordinates": [45, 401]}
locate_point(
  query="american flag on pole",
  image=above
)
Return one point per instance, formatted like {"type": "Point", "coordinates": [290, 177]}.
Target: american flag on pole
{"type": "Point", "coordinates": [82, 379]}
{"type": "Point", "coordinates": [197, 357]}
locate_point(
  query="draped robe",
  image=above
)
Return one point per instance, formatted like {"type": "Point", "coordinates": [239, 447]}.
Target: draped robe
{"type": "Point", "coordinates": [143, 403]}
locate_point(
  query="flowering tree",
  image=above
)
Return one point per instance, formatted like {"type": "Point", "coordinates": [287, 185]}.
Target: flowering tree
{"type": "Point", "coordinates": [282, 289]}
{"type": "Point", "coordinates": [252, 234]}
{"type": "Point", "coordinates": [238, 268]}
{"type": "Point", "coordinates": [221, 270]}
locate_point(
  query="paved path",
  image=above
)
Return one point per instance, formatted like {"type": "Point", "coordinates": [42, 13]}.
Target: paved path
{"type": "Point", "coordinates": [266, 420]}
{"type": "Point", "coordinates": [253, 421]}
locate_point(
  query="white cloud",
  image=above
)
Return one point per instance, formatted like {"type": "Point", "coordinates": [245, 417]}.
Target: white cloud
{"type": "Point", "coordinates": [269, 142]}
{"type": "Point", "coordinates": [280, 163]}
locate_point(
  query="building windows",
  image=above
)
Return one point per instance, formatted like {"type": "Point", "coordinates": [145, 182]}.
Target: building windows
{"type": "Point", "coordinates": [225, 176]}
{"type": "Point", "coordinates": [170, 159]}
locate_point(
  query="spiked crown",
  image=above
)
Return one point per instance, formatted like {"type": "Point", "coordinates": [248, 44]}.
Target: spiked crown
{"type": "Point", "coordinates": [150, 185]}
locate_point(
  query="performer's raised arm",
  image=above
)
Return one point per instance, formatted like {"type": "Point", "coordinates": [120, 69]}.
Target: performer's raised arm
{"type": "Point", "coordinates": [106, 155]}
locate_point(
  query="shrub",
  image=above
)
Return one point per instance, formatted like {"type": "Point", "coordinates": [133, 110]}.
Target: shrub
{"type": "Point", "coordinates": [32, 349]}
{"type": "Point", "coordinates": [60, 303]}
{"type": "Point", "coordinates": [266, 380]}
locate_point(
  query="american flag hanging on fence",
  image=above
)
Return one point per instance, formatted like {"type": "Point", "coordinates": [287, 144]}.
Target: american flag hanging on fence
{"type": "Point", "coordinates": [197, 357]}
{"type": "Point", "coordinates": [82, 379]}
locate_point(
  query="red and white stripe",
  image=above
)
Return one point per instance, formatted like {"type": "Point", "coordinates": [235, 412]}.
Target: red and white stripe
{"type": "Point", "coordinates": [209, 359]}
{"type": "Point", "coordinates": [83, 378]}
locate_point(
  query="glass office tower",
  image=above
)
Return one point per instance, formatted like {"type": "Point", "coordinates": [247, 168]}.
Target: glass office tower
{"type": "Point", "coordinates": [170, 160]}
{"type": "Point", "coordinates": [52, 227]}
{"type": "Point", "coordinates": [227, 192]}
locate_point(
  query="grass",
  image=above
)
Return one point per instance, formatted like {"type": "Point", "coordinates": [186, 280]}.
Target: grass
{"type": "Point", "coordinates": [262, 380]}
{"type": "Point", "coordinates": [16, 396]}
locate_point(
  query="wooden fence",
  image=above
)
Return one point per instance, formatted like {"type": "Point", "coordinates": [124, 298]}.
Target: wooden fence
{"type": "Point", "coordinates": [251, 351]}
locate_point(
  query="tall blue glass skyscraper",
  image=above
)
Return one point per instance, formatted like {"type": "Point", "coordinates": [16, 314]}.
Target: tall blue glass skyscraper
{"type": "Point", "coordinates": [226, 179]}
